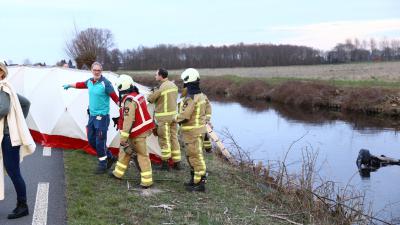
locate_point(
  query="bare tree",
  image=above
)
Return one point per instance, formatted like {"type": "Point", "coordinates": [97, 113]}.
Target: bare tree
{"type": "Point", "coordinates": [89, 45]}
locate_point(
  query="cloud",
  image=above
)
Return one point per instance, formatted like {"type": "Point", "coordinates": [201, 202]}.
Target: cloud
{"type": "Point", "coordinates": [326, 35]}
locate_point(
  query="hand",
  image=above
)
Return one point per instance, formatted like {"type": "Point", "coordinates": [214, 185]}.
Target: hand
{"type": "Point", "coordinates": [66, 86]}
{"type": "Point", "coordinates": [209, 124]}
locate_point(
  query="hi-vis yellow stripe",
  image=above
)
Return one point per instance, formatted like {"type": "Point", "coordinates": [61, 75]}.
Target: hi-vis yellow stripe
{"type": "Point", "coordinates": [191, 127]}
{"type": "Point", "coordinates": [165, 94]}
{"type": "Point", "coordinates": [147, 173]}
{"type": "Point", "coordinates": [119, 172]}
{"type": "Point", "coordinates": [147, 181]}
{"type": "Point", "coordinates": [169, 90]}
{"type": "Point", "coordinates": [121, 165]}
{"type": "Point", "coordinates": [197, 117]}
{"type": "Point", "coordinates": [124, 134]}
{"type": "Point", "coordinates": [166, 113]}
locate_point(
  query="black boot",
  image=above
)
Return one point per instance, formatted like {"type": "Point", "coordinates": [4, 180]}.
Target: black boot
{"type": "Point", "coordinates": [177, 166]}
{"type": "Point", "coordinates": [200, 187]}
{"type": "Point", "coordinates": [20, 211]}
{"type": "Point", "coordinates": [190, 182]}
{"type": "Point", "coordinates": [110, 161]}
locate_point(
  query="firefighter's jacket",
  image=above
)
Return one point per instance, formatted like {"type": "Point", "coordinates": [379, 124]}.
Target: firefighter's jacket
{"type": "Point", "coordinates": [134, 119]}
{"type": "Point", "coordinates": [194, 114]}
{"type": "Point", "coordinates": [165, 98]}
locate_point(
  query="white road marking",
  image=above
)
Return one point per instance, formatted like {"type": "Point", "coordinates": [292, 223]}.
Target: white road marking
{"type": "Point", "coordinates": [41, 204]}
{"type": "Point", "coordinates": [46, 151]}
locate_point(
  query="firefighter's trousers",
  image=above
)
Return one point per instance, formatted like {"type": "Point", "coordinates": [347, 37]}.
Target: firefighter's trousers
{"type": "Point", "coordinates": [194, 152]}
{"type": "Point", "coordinates": [136, 145]}
{"type": "Point", "coordinates": [168, 140]}
{"type": "Point", "coordinates": [207, 143]}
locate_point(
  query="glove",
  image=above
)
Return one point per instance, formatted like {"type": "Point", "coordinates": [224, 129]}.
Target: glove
{"type": "Point", "coordinates": [66, 86]}
{"type": "Point", "coordinates": [115, 120]}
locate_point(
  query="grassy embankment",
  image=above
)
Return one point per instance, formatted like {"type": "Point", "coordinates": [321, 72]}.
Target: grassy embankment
{"type": "Point", "coordinates": [232, 197]}
{"type": "Point", "coordinates": [242, 194]}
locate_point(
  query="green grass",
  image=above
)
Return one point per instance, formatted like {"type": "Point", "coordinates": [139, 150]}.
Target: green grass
{"type": "Point", "coordinates": [231, 197]}
{"type": "Point", "coordinates": [339, 83]}
{"type": "Point", "coordinates": [372, 82]}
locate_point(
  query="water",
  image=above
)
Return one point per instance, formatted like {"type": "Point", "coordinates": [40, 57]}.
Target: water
{"type": "Point", "coordinates": [268, 132]}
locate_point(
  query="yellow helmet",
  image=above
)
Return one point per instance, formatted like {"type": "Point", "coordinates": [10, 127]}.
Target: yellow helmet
{"type": "Point", "coordinates": [124, 82]}
{"type": "Point", "coordinates": [190, 75]}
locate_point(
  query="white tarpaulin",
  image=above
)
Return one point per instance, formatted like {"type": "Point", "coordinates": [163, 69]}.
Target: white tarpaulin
{"type": "Point", "coordinates": [58, 117]}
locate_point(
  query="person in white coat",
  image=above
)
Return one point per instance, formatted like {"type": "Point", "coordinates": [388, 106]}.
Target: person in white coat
{"type": "Point", "coordinates": [16, 141]}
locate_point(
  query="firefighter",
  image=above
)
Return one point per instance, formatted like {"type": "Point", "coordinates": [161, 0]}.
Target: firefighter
{"type": "Point", "coordinates": [165, 98]}
{"type": "Point", "coordinates": [192, 120]}
{"type": "Point", "coordinates": [135, 124]}
{"type": "Point", "coordinates": [206, 140]}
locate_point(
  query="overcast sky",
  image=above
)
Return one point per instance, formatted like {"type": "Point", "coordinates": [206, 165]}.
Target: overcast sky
{"type": "Point", "coordinates": [38, 29]}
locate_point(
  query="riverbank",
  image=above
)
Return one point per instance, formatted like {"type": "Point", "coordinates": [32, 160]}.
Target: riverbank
{"type": "Point", "coordinates": [231, 197]}
{"type": "Point", "coordinates": [372, 97]}
{"type": "Point", "coordinates": [241, 194]}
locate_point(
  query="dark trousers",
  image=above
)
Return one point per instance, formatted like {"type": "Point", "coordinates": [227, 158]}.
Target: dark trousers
{"type": "Point", "coordinates": [11, 163]}
{"type": "Point", "coordinates": [97, 136]}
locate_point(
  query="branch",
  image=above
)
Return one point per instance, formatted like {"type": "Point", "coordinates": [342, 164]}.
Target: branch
{"type": "Point", "coordinates": [284, 218]}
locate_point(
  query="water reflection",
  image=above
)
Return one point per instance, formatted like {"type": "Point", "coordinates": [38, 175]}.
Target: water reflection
{"type": "Point", "coordinates": [267, 131]}
{"type": "Point", "coordinates": [359, 121]}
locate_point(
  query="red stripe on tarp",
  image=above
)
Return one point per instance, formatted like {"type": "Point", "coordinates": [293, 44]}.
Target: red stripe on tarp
{"type": "Point", "coordinates": [59, 141]}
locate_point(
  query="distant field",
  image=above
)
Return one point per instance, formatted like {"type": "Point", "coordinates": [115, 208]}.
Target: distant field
{"type": "Point", "coordinates": [385, 71]}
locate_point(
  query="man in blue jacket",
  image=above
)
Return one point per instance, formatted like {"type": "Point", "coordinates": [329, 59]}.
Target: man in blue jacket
{"type": "Point", "coordinates": [100, 92]}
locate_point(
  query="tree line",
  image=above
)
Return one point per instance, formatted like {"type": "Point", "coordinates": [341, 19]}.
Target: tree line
{"type": "Point", "coordinates": [95, 44]}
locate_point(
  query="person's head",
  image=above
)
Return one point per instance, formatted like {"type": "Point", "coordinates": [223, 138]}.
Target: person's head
{"type": "Point", "coordinates": [96, 68]}
{"type": "Point", "coordinates": [190, 75]}
{"type": "Point", "coordinates": [184, 90]}
{"type": "Point", "coordinates": [3, 71]}
{"type": "Point", "coordinates": [126, 85]}
{"type": "Point", "coordinates": [161, 74]}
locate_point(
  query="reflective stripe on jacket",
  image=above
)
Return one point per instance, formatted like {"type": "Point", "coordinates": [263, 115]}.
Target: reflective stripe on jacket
{"type": "Point", "coordinates": [165, 100]}
{"type": "Point", "coordinates": [141, 119]}
{"type": "Point", "coordinates": [193, 115]}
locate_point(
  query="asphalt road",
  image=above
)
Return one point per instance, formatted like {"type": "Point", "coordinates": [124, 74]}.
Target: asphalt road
{"type": "Point", "coordinates": [43, 173]}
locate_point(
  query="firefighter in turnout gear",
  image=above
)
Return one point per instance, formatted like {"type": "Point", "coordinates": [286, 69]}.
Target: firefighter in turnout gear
{"type": "Point", "coordinates": [165, 98]}
{"type": "Point", "coordinates": [135, 124]}
{"type": "Point", "coordinates": [192, 120]}
{"type": "Point", "coordinates": [206, 140]}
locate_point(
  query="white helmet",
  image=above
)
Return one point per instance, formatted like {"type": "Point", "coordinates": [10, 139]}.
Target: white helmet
{"type": "Point", "coordinates": [190, 75]}
{"type": "Point", "coordinates": [124, 82]}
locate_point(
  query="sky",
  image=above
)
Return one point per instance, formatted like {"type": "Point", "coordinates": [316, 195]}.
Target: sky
{"type": "Point", "coordinates": [39, 29]}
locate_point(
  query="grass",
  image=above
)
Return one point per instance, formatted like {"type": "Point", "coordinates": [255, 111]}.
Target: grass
{"type": "Point", "coordinates": [232, 197]}
{"type": "Point", "coordinates": [273, 81]}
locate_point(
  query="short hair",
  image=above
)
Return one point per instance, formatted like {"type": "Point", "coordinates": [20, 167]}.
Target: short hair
{"type": "Point", "coordinates": [163, 72]}
{"type": "Point", "coordinates": [96, 64]}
